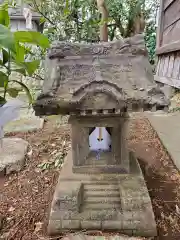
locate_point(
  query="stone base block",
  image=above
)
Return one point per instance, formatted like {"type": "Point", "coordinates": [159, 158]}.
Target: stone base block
{"type": "Point", "coordinates": [80, 236]}
{"type": "Point", "coordinates": [12, 155]}
{"type": "Point", "coordinates": [24, 125]}
{"type": "Point", "coordinates": [113, 202]}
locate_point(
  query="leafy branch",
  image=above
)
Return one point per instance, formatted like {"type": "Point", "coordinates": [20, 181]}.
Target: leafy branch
{"type": "Point", "coordinates": [14, 55]}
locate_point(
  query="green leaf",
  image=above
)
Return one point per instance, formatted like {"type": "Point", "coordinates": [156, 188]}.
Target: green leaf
{"type": "Point", "coordinates": [3, 79]}
{"type": "Point", "coordinates": [31, 67]}
{"type": "Point", "coordinates": [26, 89]}
{"type": "Point", "coordinates": [20, 52]}
{"type": "Point", "coordinates": [18, 68]}
{"type": "Point", "coordinates": [6, 38]}
{"type": "Point", "coordinates": [51, 29]}
{"type": "Point", "coordinates": [56, 163]}
{"type": "Point", "coordinates": [66, 9]}
{"type": "Point", "coordinates": [13, 92]}
{"type": "Point", "coordinates": [5, 56]}
{"type": "Point", "coordinates": [32, 38]}
{"type": "Point", "coordinates": [42, 20]}
{"type": "Point", "coordinates": [4, 16]}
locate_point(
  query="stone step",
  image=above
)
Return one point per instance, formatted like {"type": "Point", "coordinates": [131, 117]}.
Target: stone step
{"type": "Point", "coordinates": [100, 206]}
{"type": "Point", "coordinates": [101, 182]}
{"type": "Point", "coordinates": [100, 187]}
{"type": "Point", "coordinates": [80, 236]}
{"type": "Point", "coordinates": [101, 161]}
{"type": "Point", "coordinates": [102, 200]}
{"type": "Point", "coordinates": [101, 193]}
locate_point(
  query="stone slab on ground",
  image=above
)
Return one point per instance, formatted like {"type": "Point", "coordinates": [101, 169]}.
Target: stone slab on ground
{"type": "Point", "coordinates": [167, 127]}
{"type": "Point", "coordinates": [87, 237]}
{"type": "Point", "coordinates": [25, 122]}
{"type": "Point", "coordinates": [24, 125]}
{"type": "Point", "coordinates": [83, 201]}
{"type": "Point", "coordinates": [12, 155]}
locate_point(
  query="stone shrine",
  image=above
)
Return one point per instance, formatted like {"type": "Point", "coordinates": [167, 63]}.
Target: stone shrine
{"type": "Point", "coordinates": [101, 185]}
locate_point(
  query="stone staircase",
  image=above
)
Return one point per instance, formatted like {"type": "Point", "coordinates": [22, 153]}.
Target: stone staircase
{"type": "Point", "coordinates": [102, 195]}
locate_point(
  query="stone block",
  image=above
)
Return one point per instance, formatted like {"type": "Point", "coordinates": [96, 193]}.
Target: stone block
{"type": "Point", "coordinates": [64, 214]}
{"type": "Point", "coordinates": [71, 205]}
{"type": "Point", "coordinates": [112, 225]}
{"type": "Point", "coordinates": [68, 197]}
{"type": "Point", "coordinates": [70, 224]}
{"type": "Point", "coordinates": [91, 224]}
{"type": "Point", "coordinates": [54, 227]}
{"type": "Point", "coordinates": [12, 155]}
{"type": "Point", "coordinates": [131, 224]}
{"type": "Point", "coordinates": [25, 125]}
{"type": "Point", "coordinates": [128, 232]}
{"type": "Point", "coordinates": [145, 232]}
{"type": "Point", "coordinates": [129, 204]}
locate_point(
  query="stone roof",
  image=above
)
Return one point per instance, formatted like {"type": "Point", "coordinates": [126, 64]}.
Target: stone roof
{"type": "Point", "coordinates": [103, 76]}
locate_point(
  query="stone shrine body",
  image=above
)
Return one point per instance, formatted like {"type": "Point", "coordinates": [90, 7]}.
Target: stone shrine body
{"type": "Point", "coordinates": [101, 185]}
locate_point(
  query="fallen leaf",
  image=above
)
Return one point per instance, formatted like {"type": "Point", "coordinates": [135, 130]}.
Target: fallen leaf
{"type": "Point", "coordinates": [38, 226]}
{"type": "Point", "coordinates": [11, 209]}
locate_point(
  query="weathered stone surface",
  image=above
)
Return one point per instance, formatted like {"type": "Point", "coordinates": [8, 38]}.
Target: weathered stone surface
{"type": "Point", "coordinates": [102, 211]}
{"type": "Point", "coordinates": [88, 237]}
{"type": "Point", "coordinates": [84, 161]}
{"type": "Point", "coordinates": [169, 136]}
{"type": "Point", "coordinates": [94, 224]}
{"type": "Point", "coordinates": [12, 154]}
{"type": "Point", "coordinates": [112, 225]}
{"type": "Point", "coordinates": [24, 125]}
{"type": "Point", "coordinates": [70, 224]}
{"type": "Point", "coordinates": [54, 227]}
{"type": "Point", "coordinates": [107, 75]}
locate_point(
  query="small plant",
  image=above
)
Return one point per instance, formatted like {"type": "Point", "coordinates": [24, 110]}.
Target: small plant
{"type": "Point", "coordinates": [14, 49]}
{"type": "Point", "coordinates": [57, 159]}
{"type": "Point", "coordinates": [55, 163]}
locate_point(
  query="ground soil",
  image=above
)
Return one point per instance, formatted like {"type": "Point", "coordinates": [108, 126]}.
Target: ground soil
{"type": "Point", "coordinates": [25, 197]}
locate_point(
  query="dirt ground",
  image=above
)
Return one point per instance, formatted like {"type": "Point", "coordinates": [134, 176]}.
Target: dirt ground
{"type": "Point", "coordinates": [25, 197]}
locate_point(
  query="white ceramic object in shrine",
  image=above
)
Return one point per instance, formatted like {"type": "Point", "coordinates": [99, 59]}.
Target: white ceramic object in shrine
{"type": "Point", "coordinates": [100, 140]}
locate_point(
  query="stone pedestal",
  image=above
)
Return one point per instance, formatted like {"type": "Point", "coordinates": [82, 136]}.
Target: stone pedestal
{"type": "Point", "coordinates": [118, 202]}
{"type": "Point", "coordinates": [104, 194]}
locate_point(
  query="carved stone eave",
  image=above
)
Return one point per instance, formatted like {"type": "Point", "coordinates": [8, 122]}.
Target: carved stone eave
{"type": "Point", "coordinates": [57, 106]}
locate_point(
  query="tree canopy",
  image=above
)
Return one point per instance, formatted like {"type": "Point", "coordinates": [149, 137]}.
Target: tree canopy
{"type": "Point", "coordinates": [80, 20]}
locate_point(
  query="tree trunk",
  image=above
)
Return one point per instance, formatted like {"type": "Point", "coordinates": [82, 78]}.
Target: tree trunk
{"type": "Point", "coordinates": [139, 24]}
{"type": "Point", "coordinates": [104, 20]}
